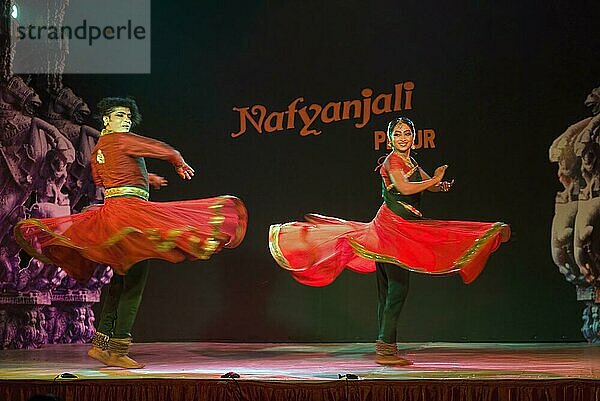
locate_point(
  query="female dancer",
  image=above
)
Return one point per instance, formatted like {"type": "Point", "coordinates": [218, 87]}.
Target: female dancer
{"type": "Point", "coordinates": [127, 229]}
{"type": "Point", "coordinates": [396, 241]}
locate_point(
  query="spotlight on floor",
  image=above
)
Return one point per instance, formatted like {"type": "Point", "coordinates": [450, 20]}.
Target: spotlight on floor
{"type": "Point", "coordinates": [230, 375]}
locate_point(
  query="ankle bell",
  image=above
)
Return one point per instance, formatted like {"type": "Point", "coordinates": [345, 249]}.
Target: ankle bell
{"type": "Point", "coordinates": [100, 340]}
{"type": "Point", "coordinates": [383, 348]}
{"type": "Point", "coordinates": [119, 346]}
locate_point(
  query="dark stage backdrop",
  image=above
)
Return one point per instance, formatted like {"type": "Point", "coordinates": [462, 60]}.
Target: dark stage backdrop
{"type": "Point", "coordinates": [492, 84]}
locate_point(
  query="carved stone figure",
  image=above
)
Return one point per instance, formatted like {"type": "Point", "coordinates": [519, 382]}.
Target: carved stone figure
{"type": "Point", "coordinates": [566, 205]}
{"type": "Point", "coordinates": [9, 264]}
{"type": "Point", "coordinates": [38, 276]}
{"type": "Point", "coordinates": [591, 322]}
{"type": "Point", "coordinates": [8, 327]}
{"type": "Point", "coordinates": [44, 172]}
{"type": "Point", "coordinates": [24, 145]}
{"type": "Point", "coordinates": [28, 332]}
{"type": "Point", "coordinates": [575, 235]}
{"type": "Point", "coordinates": [76, 329]}
{"type": "Point", "coordinates": [51, 202]}
{"type": "Point", "coordinates": [55, 324]}
{"type": "Point", "coordinates": [67, 112]}
{"type": "Point", "coordinates": [42, 335]}
{"type": "Point", "coordinates": [89, 324]}
{"type": "Point", "coordinates": [587, 238]}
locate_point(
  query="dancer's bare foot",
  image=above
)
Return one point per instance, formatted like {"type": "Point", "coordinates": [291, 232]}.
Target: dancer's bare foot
{"type": "Point", "coordinates": [395, 360]}
{"type": "Point", "coordinates": [118, 349]}
{"type": "Point", "coordinates": [123, 361]}
{"type": "Point", "coordinates": [387, 354]}
{"type": "Point", "coordinates": [98, 354]}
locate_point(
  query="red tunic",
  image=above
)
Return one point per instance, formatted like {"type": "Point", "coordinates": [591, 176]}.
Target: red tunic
{"type": "Point", "coordinates": [128, 228]}
{"type": "Point", "coordinates": [117, 159]}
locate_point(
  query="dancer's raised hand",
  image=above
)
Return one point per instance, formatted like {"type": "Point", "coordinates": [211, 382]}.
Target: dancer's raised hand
{"type": "Point", "coordinates": [185, 171]}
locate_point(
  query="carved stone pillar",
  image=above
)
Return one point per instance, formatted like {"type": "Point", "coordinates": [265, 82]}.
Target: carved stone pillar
{"type": "Point", "coordinates": [575, 240]}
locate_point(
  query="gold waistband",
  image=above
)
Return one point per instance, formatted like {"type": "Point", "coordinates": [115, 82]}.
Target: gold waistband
{"type": "Point", "coordinates": [126, 191]}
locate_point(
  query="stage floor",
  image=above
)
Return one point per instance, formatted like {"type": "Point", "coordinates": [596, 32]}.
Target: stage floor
{"type": "Point", "coordinates": [312, 362]}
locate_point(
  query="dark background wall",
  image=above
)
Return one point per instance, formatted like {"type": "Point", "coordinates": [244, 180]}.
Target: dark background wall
{"type": "Point", "coordinates": [497, 83]}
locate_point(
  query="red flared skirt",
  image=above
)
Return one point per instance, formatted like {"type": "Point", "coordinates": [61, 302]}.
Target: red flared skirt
{"type": "Point", "coordinates": [126, 230]}
{"type": "Point", "coordinates": [317, 251]}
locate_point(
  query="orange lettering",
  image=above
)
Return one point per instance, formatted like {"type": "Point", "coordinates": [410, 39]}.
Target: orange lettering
{"type": "Point", "coordinates": [387, 104]}
{"type": "Point", "coordinates": [379, 137]}
{"type": "Point", "coordinates": [259, 110]}
{"type": "Point", "coordinates": [335, 107]}
{"type": "Point", "coordinates": [428, 138]}
{"type": "Point", "coordinates": [278, 117]}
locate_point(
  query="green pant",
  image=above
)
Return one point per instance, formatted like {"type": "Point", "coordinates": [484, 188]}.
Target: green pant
{"type": "Point", "coordinates": [123, 297]}
{"type": "Point", "coordinates": [392, 289]}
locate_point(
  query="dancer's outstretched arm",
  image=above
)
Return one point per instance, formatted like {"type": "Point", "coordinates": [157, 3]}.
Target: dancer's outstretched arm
{"type": "Point", "coordinates": [141, 146]}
